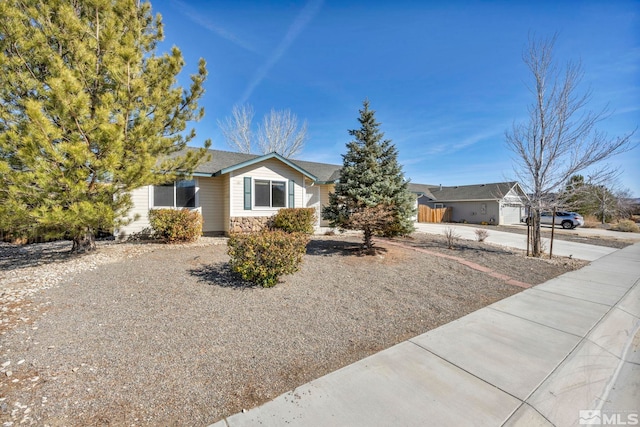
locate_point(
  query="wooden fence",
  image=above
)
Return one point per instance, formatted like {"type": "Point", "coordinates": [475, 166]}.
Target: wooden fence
{"type": "Point", "coordinates": [427, 214]}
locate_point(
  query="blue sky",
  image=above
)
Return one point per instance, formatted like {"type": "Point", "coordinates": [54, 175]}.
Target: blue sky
{"type": "Point", "coordinates": [446, 78]}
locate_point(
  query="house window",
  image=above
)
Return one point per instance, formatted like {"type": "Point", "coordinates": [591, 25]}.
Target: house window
{"type": "Point", "coordinates": [270, 194]}
{"type": "Point", "coordinates": [180, 194]}
{"type": "Point", "coordinates": [186, 194]}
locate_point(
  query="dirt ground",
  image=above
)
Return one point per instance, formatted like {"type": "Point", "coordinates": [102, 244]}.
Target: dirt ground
{"type": "Point", "coordinates": [151, 334]}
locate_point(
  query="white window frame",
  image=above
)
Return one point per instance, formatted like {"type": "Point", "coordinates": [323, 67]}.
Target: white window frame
{"type": "Point", "coordinates": [270, 207]}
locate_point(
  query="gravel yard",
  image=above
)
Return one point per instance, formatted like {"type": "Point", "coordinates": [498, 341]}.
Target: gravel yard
{"type": "Point", "coordinates": [151, 334]}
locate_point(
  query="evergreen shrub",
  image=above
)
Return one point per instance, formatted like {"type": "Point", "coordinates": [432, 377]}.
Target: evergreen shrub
{"type": "Point", "coordinates": [264, 256]}
{"type": "Point", "coordinates": [176, 226]}
{"type": "Point", "coordinates": [295, 220]}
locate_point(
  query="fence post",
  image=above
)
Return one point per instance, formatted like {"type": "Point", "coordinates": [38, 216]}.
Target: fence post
{"type": "Point", "coordinates": [553, 228]}
{"type": "Point", "coordinates": [528, 231]}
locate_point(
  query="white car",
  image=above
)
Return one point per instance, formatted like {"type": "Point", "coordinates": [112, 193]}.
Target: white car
{"type": "Point", "coordinates": [566, 219]}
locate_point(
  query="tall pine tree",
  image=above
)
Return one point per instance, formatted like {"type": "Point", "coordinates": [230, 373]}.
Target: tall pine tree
{"type": "Point", "coordinates": [372, 194]}
{"type": "Point", "coordinates": [88, 112]}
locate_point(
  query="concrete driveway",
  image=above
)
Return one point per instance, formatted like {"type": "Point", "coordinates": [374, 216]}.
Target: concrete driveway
{"type": "Point", "coordinates": [519, 241]}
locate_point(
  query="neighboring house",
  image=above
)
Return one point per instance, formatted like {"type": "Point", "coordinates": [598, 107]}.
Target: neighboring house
{"type": "Point", "coordinates": [498, 203]}
{"type": "Point", "coordinates": [238, 192]}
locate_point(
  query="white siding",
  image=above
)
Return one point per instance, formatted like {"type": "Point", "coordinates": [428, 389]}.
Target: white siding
{"type": "Point", "coordinates": [226, 205]}
{"type": "Point", "coordinates": [312, 195]}
{"type": "Point", "coordinates": [212, 203]}
{"type": "Point", "coordinates": [414, 217]}
{"type": "Point", "coordinates": [324, 200]}
{"type": "Point", "coordinates": [512, 208]}
{"type": "Point", "coordinates": [513, 198]}
{"type": "Point", "coordinates": [271, 169]}
{"type": "Point", "coordinates": [140, 199]}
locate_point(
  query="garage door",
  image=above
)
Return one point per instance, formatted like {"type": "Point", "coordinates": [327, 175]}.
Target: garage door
{"type": "Point", "coordinates": [511, 214]}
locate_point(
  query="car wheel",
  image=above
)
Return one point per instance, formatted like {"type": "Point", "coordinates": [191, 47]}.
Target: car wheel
{"type": "Point", "coordinates": [567, 225]}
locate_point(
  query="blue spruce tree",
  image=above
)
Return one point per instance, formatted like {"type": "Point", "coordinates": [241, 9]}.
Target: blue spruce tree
{"type": "Point", "coordinates": [372, 194]}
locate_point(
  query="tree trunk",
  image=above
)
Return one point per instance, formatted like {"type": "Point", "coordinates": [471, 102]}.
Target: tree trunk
{"type": "Point", "coordinates": [536, 235]}
{"type": "Point", "coordinates": [368, 234]}
{"type": "Point", "coordinates": [84, 242]}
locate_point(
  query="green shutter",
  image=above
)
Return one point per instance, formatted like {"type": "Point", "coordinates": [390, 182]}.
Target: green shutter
{"type": "Point", "coordinates": [247, 193]}
{"type": "Point", "coordinates": [292, 193]}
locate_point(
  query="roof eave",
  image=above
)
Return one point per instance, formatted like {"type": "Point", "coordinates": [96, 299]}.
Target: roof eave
{"type": "Point", "coordinates": [261, 159]}
{"type": "Point", "coordinates": [202, 174]}
{"type": "Point", "coordinates": [466, 200]}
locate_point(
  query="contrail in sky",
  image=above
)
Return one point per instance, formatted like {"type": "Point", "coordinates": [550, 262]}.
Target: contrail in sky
{"type": "Point", "coordinates": [194, 16]}
{"type": "Point", "coordinates": [302, 20]}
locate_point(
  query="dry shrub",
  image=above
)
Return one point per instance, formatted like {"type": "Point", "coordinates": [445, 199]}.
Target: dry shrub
{"type": "Point", "coordinates": [263, 257]}
{"type": "Point", "coordinates": [451, 236]}
{"type": "Point", "coordinates": [295, 220]}
{"type": "Point", "coordinates": [591, 221]}
{"type": "Point", "coordinates": [372, 220]}
{"type": "Point", "coordinates": [626, 225]}
{"type": "Point", "coordinates": [481, 234]}
{"type": "Point", "coordinates": [176, 226]}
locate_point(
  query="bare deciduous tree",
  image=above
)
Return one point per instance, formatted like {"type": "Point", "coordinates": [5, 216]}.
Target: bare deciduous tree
{"type": "Point", "coordinates": [279, 132]}
{"type": "Point", "coordinates": [237, 128]}
{"type": "Point", "coordinates": [560, 137]}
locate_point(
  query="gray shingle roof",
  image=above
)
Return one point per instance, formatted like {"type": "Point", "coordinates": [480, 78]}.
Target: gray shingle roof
{"type": "Point", "coordinates": [493, 191]}
{"type": "Point", "coordinates": [326, 172]}
{"type": "Point", "coordinates": [422, 188]}
{"type": "Point", "coordinates": [222, 160]}
{"type": "Point", "coordinates": [225, 159]}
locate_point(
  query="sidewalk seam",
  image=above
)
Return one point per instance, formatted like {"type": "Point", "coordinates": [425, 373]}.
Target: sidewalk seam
{"type": "Point", "coordinates": [572, 297]}
{"type": "Point", "coordinates": [580, 342]}
{"type": "Point", "coordinates": [535, 409]}
{"type": "Point", "coordinates": [541, 324]}
{"type": "Point", "coordinates": [464, 370]}
{"type": "Point", "coordinates": [616, 373]}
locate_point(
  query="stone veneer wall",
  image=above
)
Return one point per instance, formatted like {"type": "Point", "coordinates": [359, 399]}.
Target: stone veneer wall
{"type": "Point", "coordinates": [246, 224]}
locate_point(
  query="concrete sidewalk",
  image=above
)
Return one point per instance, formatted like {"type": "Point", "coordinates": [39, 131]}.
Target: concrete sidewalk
{"type": "Point", "coordinates": [519, 241]}
{"type": "Point", "coordinates": [537, 358]}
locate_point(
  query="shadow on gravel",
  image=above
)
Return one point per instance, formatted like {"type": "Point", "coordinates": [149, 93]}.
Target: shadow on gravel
{"type": "Point", "coordinates": [220, 274]}
{"type": "Point", "coordinates": [339, 247]}
{"type": "Point", "coordinates": [14, 257]}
